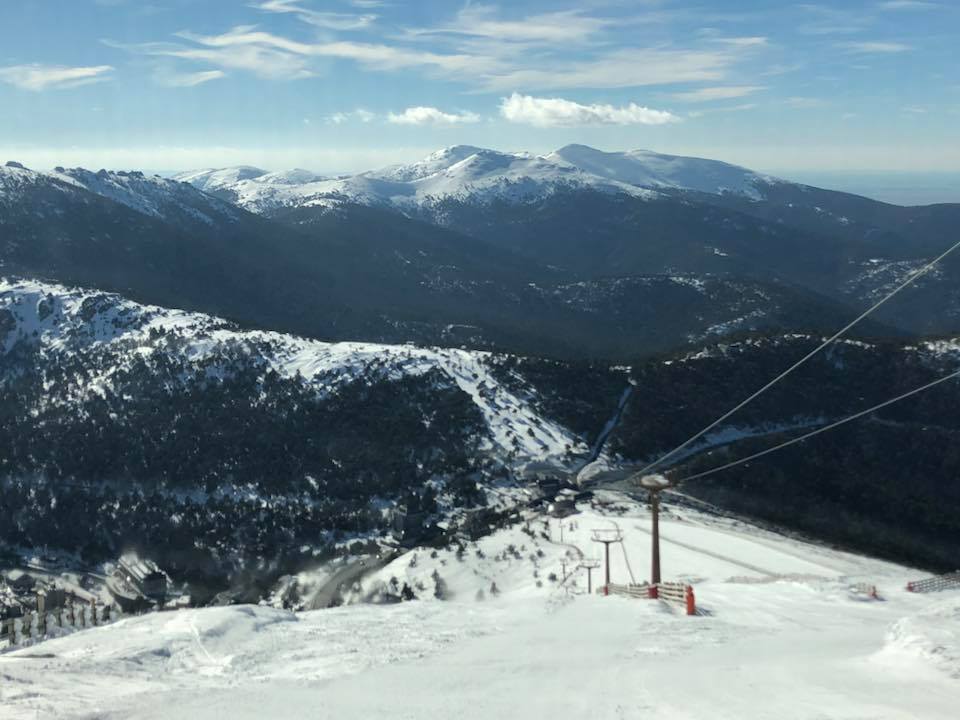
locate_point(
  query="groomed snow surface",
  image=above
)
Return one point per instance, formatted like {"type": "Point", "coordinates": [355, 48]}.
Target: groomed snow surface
{"type": "Point", "coordinates": [784, 637]}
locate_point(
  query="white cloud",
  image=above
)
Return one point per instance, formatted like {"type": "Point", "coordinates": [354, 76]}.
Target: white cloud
{"type": "Point", "coordinates": [41, 77]}
{"type": "Point", "coordinates": [174, 79]}
{"type": "Point", "coordinates": [709, 94]}
{"type": "Point", "coordinates": [557, 112]}
{"type": "Point", "coordinates": [359, 114]}
{"type": "Point", "coordinates": [421, 115]}
{"type": "Point", "coordinates": [874, 47]}
{"type": "Point", "coordinates": [326, 20]}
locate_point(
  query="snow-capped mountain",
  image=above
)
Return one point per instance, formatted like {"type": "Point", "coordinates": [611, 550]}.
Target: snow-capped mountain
{"type": "Point", "coordinates": [213, 179]}
{"type": "Point", "coordinates": [465, 172]}
{"type": "Point", "coordinates": [151, 195]}
{"type": "Point", "coordinates": [643, 168]}
{"type": "Point", "coordinates": [154, 196]}
{"type": "Point", "coordinates": [18, 181]}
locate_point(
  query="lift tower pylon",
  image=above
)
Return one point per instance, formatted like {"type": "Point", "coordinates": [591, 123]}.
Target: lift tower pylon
{"type": "Point", "coordinates": [607, 536]}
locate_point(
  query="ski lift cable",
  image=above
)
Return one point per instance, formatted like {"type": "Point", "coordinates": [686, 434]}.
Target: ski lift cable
{"type": "Point", "coordinates": [626, 561]}
{"type": "Point", "coordinates": [910, 280]}
{"type": "Point", "coordinates": [823, 429]}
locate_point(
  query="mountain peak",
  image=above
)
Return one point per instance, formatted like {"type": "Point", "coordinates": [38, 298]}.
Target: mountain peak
{"type": "Point", "coordinates": [456, 151]}
{"type": "Point", "coordinates": [212, 179]}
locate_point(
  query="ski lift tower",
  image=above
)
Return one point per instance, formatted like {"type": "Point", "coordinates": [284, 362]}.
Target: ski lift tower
{"type": "Point", "coordinates": [607, 536]}
{"type": "Point", "coordinates": [590, 564]}
{"type": "Point", "coordinates": [655, 484]}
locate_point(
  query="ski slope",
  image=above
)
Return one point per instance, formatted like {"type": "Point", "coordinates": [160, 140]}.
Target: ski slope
{"type": "Point", "coordinates": [783, 637]}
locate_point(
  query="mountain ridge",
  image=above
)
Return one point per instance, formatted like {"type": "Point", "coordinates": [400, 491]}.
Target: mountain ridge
{"type": "Point", "coordinates": [463, 170]}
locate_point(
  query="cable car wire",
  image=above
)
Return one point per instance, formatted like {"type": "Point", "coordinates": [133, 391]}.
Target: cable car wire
{"type": "Point", "coordinates": [823, 429]}
{"type": "Point", "coordinates": [910, 280]}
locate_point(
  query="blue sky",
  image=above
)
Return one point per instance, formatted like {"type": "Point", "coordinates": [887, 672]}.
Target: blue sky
{"type": "Point", "coordinates": [340, 85]}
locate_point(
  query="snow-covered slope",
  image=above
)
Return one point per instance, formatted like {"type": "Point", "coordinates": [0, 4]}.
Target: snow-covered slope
{"type": "Point", "coordinates": [213, 179]}
{"type": "Point", "coordinates": [473, 174]}
{"type": "Point", "coordinates": [151, 195]}
{"type": "Point", "coordinates": [16, 180]}
{"type": "Point", "coordinates": [100, 330]}
{"type": "Point", "coordinates": [784, 635]}
{"type": "Point", "coordinates": [644, 168]}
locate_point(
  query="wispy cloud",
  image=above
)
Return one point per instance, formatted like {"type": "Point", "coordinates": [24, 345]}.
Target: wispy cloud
{"type": "Point", "coordinates": [339, 118]}
{"type": "Point", "coordinates": [748, 41]}
{"type": "Point", "coordinates": [483, 21]}
{"type": "Point", "coordinates": [709, 94]}
{"type": "Point", "coordinates": [724, 109]}
{"type": "Point", "coordinates": [247, 46]}
{"type": "Point", "coordinates": [907, 5]}
{"type": "Point", "coordinates": [326, 20]}
{"type": "Point", "coordinates": [479, 47]}
{"type": "Point", "coordinates": [421, 115]}
{"type": "Point", "coordinates": [558, 112]}
{"type": "Point", "coordinates": [43, 77]}
{"type": "Point", "coordinates": [174, 79]}
{"type": "Point", "coordinates": [874, 47]}
{"type": "Point", "coordinates": [632, 67]}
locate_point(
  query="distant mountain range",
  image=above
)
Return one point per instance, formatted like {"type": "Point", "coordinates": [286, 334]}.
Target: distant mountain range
{"type": "Point", "coordinates": [603, 214]}
{"type": "Point", "coordinates": [283, 357]}
{"type": "Point", "coordinates": [580, 264]}
{"type": "Point", "coordinates": [477, 175]}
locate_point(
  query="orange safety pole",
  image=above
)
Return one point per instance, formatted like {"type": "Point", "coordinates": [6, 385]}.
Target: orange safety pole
{"type": "Point", "coordinates": [691, 601]}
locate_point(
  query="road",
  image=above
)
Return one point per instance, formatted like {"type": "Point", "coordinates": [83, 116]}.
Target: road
{"type": "Point", "coordinates": [345, 577]}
